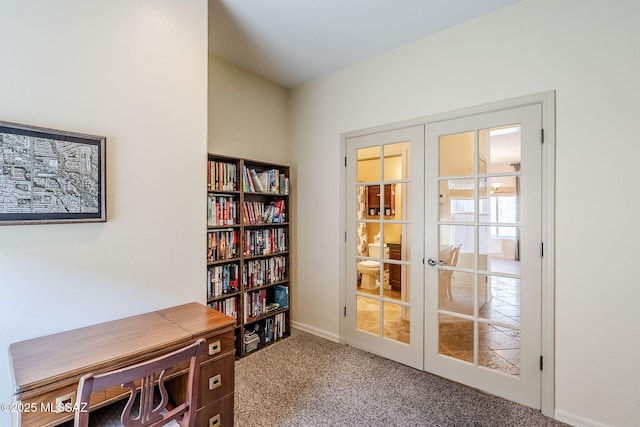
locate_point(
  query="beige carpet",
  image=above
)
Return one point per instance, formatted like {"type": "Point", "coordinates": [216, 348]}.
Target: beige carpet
{"type": "Point", "coordinates": [305, 380]}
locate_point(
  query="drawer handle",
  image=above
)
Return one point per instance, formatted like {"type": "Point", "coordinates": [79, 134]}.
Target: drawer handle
{"type": "Point", "coordinates": [65, 401]}
{"type": "Point", "coordinates": [214, 348]}
{"type": "Point", "coordinates": [215, 382]}
{"type": "Point", "coordinates": [214, 421]}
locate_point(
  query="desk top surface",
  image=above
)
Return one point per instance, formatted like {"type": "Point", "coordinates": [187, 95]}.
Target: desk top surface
{"type": "Point", "coordinates": [66, 355]}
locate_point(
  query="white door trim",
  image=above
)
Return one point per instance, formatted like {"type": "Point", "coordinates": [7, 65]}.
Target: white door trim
{"type": "Point", "coordinates": [547, 100]}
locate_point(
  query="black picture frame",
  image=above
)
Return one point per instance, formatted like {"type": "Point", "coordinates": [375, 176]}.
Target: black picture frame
{"type": "Point", "coordinates": [51, 176]}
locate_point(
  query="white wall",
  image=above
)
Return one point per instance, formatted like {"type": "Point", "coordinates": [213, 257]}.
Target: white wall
{"type": "Point", "coordinates": [587, 50]}
{"type": "Point", "coordinates": [248, 115]}
{"type": "Point", "coordinates": [134, 71]}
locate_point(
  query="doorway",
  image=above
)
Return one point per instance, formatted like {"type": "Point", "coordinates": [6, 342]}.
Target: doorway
{"type": "Point", "coordinates": [467, 244]}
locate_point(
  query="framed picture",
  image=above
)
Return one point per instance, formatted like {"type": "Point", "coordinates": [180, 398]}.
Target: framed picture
{"type": "Point", "coordinates": [51, 176]}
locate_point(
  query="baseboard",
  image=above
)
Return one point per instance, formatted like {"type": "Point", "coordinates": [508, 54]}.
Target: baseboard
{"type": "Point", "coordinates": [576, 420]}
{"type": "Point", "coordinates": [315, 331]}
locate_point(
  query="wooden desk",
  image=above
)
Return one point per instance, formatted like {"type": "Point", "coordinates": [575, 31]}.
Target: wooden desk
{"type": "Point", "coordinates": [46, 370]}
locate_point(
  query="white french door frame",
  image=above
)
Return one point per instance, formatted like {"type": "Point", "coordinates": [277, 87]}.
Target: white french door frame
{"type": "Point", "coordinates": [547, 101]}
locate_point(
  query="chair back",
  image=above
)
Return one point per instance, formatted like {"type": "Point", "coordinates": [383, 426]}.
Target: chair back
{"type": "Point", "coordinates": [148, 375]}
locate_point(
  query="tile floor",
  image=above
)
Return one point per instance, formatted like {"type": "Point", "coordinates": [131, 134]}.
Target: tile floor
{"type": "Point", "coordinates": [499, 346]}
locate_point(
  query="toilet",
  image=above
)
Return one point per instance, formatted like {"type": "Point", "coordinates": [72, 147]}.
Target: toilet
{"type": "Point", "coordinates": [370, 269]}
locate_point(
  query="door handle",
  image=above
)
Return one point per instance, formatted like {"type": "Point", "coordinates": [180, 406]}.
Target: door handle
{"type": "Point", "coordinates": [433, 262]}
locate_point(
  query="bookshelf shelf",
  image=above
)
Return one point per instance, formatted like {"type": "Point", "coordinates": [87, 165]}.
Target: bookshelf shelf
{"type": "Point", "coordinates": [248, 248]}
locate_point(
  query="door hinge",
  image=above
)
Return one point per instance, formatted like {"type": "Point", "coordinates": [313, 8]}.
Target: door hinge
{"type": "Point", "coordinates": [345, 236]}
{"type": "Point", "coordinates": [541, 249]}
{"type": "Point", "coordinates": [345, 161]}
{"type": "Point", "coordinates": [541, 362]}
{"type": "Point", "coordinates": [541, 136]}
{"type": "Point", "coordinates": [345, 311]}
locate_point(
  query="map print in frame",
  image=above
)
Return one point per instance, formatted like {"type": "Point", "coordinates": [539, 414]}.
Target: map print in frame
{"type": "Point", "coordinates": [51, 176]}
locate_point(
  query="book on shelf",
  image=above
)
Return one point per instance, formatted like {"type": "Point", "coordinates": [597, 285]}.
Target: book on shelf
{"type": "Point", "coordinates": [265, 241]}
{"type": "Point", "coordinates": [274, 328]}
{"type": "Point", "coordinates": [281, 295]}
{"type": "Point", "coordinates": [222, 244]}
{"type": "Point", "coordinates": [255, 304]}
{"type": "Point", "coordinates": [222, 279]}
{"type": "Point", "coordinates": [221, 210]}
{"type": "Point", "coordinates": [270, 181]}
{"type": "Point", "coordinates": [262, 213]}
{"type": "Point", "coordinates": [222, 176]}
{"type": "Point", "coordinates": [228, 306]}
{"type": "Point", "coordinates": [259, 272]}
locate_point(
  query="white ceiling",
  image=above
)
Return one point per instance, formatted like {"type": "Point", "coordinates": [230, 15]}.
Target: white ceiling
{"type": "Point", "coordinates": [292, 41]}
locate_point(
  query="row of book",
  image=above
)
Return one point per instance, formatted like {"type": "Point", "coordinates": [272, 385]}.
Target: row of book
{"type": "Point", "coordinates": [256, 305]}
{"type": "Point", "coordinates": [262, 213]}
{"type": "Point", "coordinates": [222, 176]}
{"type": "Point", "coordinates": [274, 328]}
{"type": "Point", "coordinates": [221, 210]}
{"type": "Point", "coordinates": [265, 241]}
{"type": "Point", "coordinates": [264, 271]}
{"type": "Point", "coordinates": [222, 279]}
{"type": "Point", "coordinates": [228, 306]}
{"type": "Point", "coordinates": [269, 181]}
{"type": "Point", "coordinates": [222, 244]}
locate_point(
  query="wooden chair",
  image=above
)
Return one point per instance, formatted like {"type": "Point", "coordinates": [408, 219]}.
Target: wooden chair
{"type": "Point", "coordinates": [152, 375]}
{"type": "Point", "coordinates": [445, 275]}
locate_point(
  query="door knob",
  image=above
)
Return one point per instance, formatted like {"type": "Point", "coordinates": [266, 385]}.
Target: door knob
{"type": "Point", "coordinates": [433, 262]}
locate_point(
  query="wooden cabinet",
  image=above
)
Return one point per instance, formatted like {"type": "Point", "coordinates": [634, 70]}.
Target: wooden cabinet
{"type": "Point", "coordinates": [395, 270]}
{"type": "Point", "coordinates": [248, 248]}
{"type": "Point", "coordinates": [373, 200]}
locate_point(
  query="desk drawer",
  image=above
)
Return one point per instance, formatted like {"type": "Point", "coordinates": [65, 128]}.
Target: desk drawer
{"type": "Point", "coordinates": [43, 409]}
{"type": "Point", "coordinates": [218, 345]}
{"type": "Point", "coordinates": [216, 380]}
{"type": "Point", "coordinates": [216, 414]}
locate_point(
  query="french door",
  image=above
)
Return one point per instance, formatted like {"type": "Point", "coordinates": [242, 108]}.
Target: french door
{"type": "Point", "coordinates": [443, 248]}
{"type": "Point", "coordinates": [385, 274]}
{"type": "Point", "coordinates": [483, 248]}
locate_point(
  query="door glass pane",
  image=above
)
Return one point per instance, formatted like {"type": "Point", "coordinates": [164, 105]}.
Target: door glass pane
{"type": "Point", "coordinates": [499, 348]}
{"type": "Point", "coordinates": [456, 235]}
{"type": "Point", "coordinates": [368, 168]}
{"type": "Point", "coordinates": [500, 199]}
{"type": "Point", "coordinates": [398, 282]}
{"type": "Point", "coordinates": [455, 337]}
{"type": "Point", "coordinates": [499, 249]}
{"type": "Point", "coordinates": [361, 202]}
{"type": "Point", "coordinates": [398, 203]}
{"type": "Point", "coordinates": [368, 276]}
{"type": "Point", "coordinates": [500, 149]}
{"type": "Point", "coordinates": [457, 200]}
{"type": "Point", "coordinates": [374, 208]}
{"type": "Point", "coordinates": [500, 298]}
{"type": "Point", "coordinates": [393, 234]}
{"type": "Point", "coordinates": [456, 291]}
{"type": "Point", "coordinates": [368, 315]}
{"type": "Point", "coordinates": [393, 161]}
{"type": "Point", "coordinates": [457, 154]}
{"type": "Point", "coordinates": [396, 322]}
